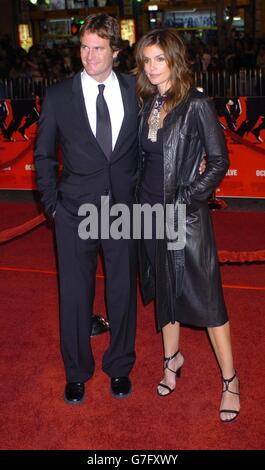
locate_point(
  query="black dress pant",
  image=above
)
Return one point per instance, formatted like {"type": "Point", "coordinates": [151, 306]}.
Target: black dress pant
{"type": "Point", "coordinates": [77, 260]}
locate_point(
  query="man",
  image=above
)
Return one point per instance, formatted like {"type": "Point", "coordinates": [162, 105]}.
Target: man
{"type": "Point", "coordinates": [93, 116]}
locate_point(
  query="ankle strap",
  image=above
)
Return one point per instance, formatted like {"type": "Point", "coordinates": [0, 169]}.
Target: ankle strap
{"type": "Point", "coordinates": [167, 359]}
{"type": "Point", "coordinates": [171, 357]}
{"type": "Point", "coordinates": [227, 382]}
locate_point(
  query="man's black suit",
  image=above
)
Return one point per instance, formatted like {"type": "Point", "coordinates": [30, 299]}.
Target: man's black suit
{"type": "Point", "coordinates": [86, 176]}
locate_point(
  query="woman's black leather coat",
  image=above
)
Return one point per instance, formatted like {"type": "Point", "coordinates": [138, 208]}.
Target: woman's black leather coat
{"type": "Point", "coordinates": [187, 283]}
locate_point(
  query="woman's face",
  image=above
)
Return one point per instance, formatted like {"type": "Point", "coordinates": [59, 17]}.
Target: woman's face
{"type": "Point", "coordinates": [156, 68]}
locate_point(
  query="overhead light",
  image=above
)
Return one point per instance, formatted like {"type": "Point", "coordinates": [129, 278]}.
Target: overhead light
{"type": "Point", "coordinates": [235, 18]}
{"type": "Point", "coordinates": [34, 2]}
{"type": "Point", "coordinates": [152, 8]}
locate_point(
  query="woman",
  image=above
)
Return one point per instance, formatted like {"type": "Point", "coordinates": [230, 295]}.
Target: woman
{"type": "Point", "coordinates": [178, 127]}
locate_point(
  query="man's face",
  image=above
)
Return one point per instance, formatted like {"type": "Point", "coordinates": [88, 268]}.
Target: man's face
{"type": "Point", "coordinates": [96, 56]}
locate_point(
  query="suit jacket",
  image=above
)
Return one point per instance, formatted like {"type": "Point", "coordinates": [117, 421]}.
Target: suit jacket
{"type": "Point", "coordinates": [87, 173]}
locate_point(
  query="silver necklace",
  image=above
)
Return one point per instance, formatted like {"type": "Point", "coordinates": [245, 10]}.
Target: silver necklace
{"type": "Point", "coordinates": [154, 120]}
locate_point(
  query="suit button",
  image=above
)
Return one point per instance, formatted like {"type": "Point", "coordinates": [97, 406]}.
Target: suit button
{"type": "Point", "coordinates": [106, 191]}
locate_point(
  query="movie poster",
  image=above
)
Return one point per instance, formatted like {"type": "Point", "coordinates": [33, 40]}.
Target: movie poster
{"type": "Point", "coordinates": [243, 121]}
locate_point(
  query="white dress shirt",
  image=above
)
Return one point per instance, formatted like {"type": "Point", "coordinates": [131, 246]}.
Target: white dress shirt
{"type": "Point", "coordinates": [113, 97]}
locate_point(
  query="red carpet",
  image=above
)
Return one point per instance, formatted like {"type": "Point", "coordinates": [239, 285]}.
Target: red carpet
{"type": "Point", "coordinates": [33, 413]}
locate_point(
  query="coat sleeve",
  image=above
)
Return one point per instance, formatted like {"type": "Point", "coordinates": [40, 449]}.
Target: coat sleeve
{"type": "Point", "coordinates": [46, 162]}
{"type": "Point", "coordinates": [213, 140]}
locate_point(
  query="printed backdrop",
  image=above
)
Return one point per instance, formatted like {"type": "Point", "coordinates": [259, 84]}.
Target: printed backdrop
{"type": "Point", "coordinates": [243, 120]}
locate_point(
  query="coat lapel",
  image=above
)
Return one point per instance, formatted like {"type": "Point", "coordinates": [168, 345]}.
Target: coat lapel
{"type": "Point", "coordinates": [80, 112]}
{"type": "Point", "coordinates": [125, 93]}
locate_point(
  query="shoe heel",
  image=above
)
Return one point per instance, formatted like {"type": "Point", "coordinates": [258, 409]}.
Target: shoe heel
{"type": "Point", "coordinates": [178, 373]}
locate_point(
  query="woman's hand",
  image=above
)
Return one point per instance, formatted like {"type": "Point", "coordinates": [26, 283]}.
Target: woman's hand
{"type": "Point", "coordinates": [202, 166]}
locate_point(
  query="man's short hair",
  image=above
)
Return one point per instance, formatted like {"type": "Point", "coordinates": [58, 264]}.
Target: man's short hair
{"type": "Point", "coordinates": [104, 26]}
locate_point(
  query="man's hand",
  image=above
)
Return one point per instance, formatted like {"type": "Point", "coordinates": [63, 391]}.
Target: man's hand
{"type": "Point", "coordinates": [202, 166]}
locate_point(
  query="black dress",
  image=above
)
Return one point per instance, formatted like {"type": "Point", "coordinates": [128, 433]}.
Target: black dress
{"type": "Point", "coordinates": [151, 191]}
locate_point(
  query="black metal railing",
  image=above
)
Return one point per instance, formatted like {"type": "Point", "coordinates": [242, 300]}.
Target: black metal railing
{"type": "Point", "coordinates": [243, 83]}
{"type": "Point", "coordinates": [25, 88]}
{"type": "Point", "coordinates": [222, 83]}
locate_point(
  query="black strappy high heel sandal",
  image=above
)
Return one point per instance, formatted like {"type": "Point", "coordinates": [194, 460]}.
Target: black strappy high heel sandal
{"type": "Point", "coordinates": [176, 372]}
{"type": "Point", "coordinates": [235, 412]}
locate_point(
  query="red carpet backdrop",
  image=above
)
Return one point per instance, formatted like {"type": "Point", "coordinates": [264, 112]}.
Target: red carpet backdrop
{"type": "Point", "coordinates": [33, 414]}
{"type": "Point", "coordinates": [242, 118]}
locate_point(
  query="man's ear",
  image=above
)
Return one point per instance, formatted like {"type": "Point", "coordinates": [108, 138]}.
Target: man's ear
{"type": "Point", "coordinates": [115, 54]}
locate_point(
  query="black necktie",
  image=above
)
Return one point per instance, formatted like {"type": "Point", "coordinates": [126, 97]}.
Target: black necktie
{"type": "Point", "coordinates": [103, 130]}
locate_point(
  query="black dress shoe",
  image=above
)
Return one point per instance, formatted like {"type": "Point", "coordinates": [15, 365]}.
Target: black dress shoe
{"type": "Point", "coordinates": [120, 387]}
{"type": "Point", "coordinates": [74, 393]}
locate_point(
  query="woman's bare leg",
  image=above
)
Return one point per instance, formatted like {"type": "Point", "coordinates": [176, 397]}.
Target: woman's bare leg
{"type": "Point", "coordinates": [170, 333]}
{"type": "Point", "coordinates": [221, 342]}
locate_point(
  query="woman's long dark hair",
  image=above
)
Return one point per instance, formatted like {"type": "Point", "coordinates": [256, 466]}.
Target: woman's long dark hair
{"type": "Point", "coordinates": [175, 55]}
